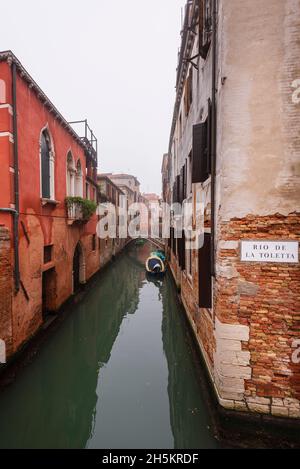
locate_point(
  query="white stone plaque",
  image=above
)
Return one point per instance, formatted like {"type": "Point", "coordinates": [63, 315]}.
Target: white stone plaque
{"type": "Point", "coordinates": [2, 351]}
{"type": "Point", "coordinates": [270, 251]}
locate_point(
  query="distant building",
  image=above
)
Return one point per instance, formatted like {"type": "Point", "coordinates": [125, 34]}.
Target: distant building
{"type": "Point", "coordinates": [153, 202]}
{"type": "Point", "coordinates": [109, 192]}
{"type": "Point", "coordinates": [127, 180]}
{"type": "Point", "coordinates": [130, 186]}
{"type": "Point", "coordinates": [151, 197]}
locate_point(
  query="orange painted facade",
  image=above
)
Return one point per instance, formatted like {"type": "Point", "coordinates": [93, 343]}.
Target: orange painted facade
{"type": "Point", "coordinates": [47, 275]}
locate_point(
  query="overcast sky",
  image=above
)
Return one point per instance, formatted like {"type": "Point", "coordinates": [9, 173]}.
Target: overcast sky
{"type": "Point", "coordinates": [110, 61]}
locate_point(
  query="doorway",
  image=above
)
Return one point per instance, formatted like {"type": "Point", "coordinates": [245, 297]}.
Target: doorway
{"type": "Point", "coordinates": [78, 268]}
{"type": "Point", "coordinates": [48, 292]}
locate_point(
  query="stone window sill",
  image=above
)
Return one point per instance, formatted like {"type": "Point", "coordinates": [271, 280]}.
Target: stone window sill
{"type": "Point", "coordinates": [49, 202]}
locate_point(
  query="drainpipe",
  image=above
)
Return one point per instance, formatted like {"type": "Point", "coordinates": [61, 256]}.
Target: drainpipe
{"type": "Point", "coordinates": [214, 137]}
{"type": "Point", "coordinates": [15, 212]}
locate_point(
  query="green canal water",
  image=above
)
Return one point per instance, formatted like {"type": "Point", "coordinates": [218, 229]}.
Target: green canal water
{"type": "Point", "coordinates": [119, 372]}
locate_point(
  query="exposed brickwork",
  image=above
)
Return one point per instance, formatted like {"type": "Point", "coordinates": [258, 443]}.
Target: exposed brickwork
{"type": "Point", "coordinates": [5, 289]}
{"type": "Point", "coordinates": [201, 319]}
{"type": "Point", "coordinates": [265, 297]}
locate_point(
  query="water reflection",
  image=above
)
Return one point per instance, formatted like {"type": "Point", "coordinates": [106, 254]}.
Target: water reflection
{"type": "Point", "coordinates": [118, 373]}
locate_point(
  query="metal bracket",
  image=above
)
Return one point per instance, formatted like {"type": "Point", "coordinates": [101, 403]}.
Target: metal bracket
{"type": "Point", "coordinates": [191, 61]}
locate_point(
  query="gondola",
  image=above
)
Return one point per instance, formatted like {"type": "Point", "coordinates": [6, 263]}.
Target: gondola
{"type": "Point", "coordinates": [156, 264]}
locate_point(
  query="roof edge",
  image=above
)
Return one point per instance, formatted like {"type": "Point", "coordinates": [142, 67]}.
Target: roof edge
{"type": "Point", "coordinates": [10, 57]}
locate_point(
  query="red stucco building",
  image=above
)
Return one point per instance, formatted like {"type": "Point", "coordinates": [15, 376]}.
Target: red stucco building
{"type": "Point", "coordinates": [48, 243]}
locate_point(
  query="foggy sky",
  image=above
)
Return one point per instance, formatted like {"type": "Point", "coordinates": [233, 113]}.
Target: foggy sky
{"type": "Point", "coordinates": [110, 61]}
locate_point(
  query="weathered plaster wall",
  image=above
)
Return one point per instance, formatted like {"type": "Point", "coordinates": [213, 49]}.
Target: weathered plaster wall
{"type": "Point", "coordinates": [258, 122]}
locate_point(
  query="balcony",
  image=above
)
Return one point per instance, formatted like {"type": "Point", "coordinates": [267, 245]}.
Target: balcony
{"type": "Point", "coordinates": [79, 210]}
{"type": "Point", "coordinates": [90, 142]}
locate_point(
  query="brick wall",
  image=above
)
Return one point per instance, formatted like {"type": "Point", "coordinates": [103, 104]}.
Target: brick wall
{"type": "Point", "coordinates": [6, 287]}
{"type": "Point", "coordinates": [266, 298]}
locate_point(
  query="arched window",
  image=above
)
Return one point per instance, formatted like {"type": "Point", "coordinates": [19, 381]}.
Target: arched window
{"type": "Point", "coordinates": [71, 172]}
{"type": "Point", "coordinates": [2, 92]}
{"type": "Point", "coordinates": [79, 180]}
{"type": "Point", "coordinates": [47, 166]}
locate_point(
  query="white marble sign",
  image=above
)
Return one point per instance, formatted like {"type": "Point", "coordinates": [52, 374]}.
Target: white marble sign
{"type": "Point", "coordinates": [2, 351]}
{"type": "Point", "coordinates": [270, 251]}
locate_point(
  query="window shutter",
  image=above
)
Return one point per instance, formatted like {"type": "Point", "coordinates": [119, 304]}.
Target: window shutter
{"type": "Point", "coordinates": [204, 272]}
{"type": "Point", "coordinates": [45, 163]}
{"type": "Point", "coordinates": [199, 164]}
{"type": "Point", "coordinates": [181, 190]}
{"type": "Point", "coordinates": [172, 240]}
{"type": "Point", "coordinates": [183, 251]}
{"type": "Point", "coordinates": [182, 184]}
{"type": "Point", "coordinates": [209, 139]}
{"type": "Point", "coordinates": [179, 241]}
{"type": "Point", "coordinates": [174, 191]}
{"type": "Point", "coordinates": [185, 181]}
{"type": "Point", "coordinates": [176, 194]}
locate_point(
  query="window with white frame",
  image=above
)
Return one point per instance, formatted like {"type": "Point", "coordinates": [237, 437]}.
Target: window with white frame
{"type": "Point", "coordinates": [79, 180]}
{"type": "Point", "coordinates": [47, 166]}
{"type": "Point", "coordinates": [71, 174]}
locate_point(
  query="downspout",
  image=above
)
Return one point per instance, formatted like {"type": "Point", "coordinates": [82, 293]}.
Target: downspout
{"type": "Point", "coordinates": [15, 212]}
{"type": "Point", "coordinates": [213, 137]}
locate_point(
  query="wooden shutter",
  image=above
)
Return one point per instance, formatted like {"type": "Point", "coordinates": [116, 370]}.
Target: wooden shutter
{"type": "Point", "coordinates": [209, 139]}
{"type": "Point", "coordinates": [204, 272]}
{"type": "Point", "coordinates": [172, 240]}
{"type": "Point", "coordinates": [183, 251]}
{"type": "Point", "coordinates": [45, 163]}
{"type": "Point", "coordinates": [175, 191]}
{"type": "Point", "coordinates": [182, 179]}
{"type": "Point", "coordinates": [199, 157]}
{"type": "Point", "coordinates": [179, 241]}
{"type": "Point", "coordinates": [185, 181]}
{"type": "Point", "coordinates": [180, 188]}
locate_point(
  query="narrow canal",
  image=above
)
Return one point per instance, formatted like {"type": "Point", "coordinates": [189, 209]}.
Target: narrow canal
{"type": "Point", "coordinates": [118, 372]}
